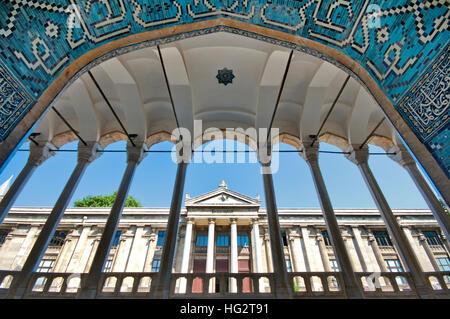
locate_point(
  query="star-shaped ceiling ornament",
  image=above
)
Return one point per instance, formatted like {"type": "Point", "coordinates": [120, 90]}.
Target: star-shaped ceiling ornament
{"type": "Point", "coordinates": [225, 76]}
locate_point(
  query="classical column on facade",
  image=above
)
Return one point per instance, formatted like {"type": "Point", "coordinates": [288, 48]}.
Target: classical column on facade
{"type": "Point", "coordinates": [210, 253]}
{"type": "Point", "coordinates": [347, 236]}
{"type": "Point", "coordinates": [234, 267]}
{"type": "Point", "coordinates": [377, 253]}
{"type": "Point", "coordinates": [89, 284]}
{"type": "Point", "coordinates": [186, 253]}
{"type": "Point", "coordinates": [359, 156]}
{"type": "Point", "coordinates": [401, 155]}
{"type": "Point", "coordinates": [361, 249]}
{"type": "Point", "coordinates": [86, 154]}
{"type": "Point", "coordinates": [283, 287]}
{"type": "Point", "coordinates": [428, 251]}
{"type": "Point", "coordinates": [25, 247]}
{"type": "Point", "coordinates": [295, 249]}
{"type": "Point", "coordinates": [351, 285]}
{"type": "Point", "coordinates": [323, 253]}
{"type": "Point", "coordinates": [38, 155]}
{"type": "Point", "coordinates": [151, 246]}
{"type": "Point", "coordinates": [162, 281]}
{"type": "Point", "coordinates": [257, 249]}
{"type": "Point", "coordinates": [268, 251]}
{"type": "Point", "coordinates": [75, 261]}
{"type": "Point", "coordinates": [135, 260]}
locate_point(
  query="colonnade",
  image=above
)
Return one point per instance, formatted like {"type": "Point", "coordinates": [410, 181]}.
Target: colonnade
{"type": "Point", "coordinates": [283, 289]}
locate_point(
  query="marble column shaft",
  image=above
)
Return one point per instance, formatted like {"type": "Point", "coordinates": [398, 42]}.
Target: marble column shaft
{"type": "Point", "coordinates": [351, 284]}
{"type": "Point", "coordinates": [360, 158]}
{"type": "Point", "coordinates": [89, 283]}
{"type": "Point", "coordinates": [38, 155]}
{"type": "Point", "coordinates": [86, 154]}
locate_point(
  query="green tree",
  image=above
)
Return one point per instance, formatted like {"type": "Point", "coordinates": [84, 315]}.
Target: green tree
{"type": "Point", "coordinates": [105, 201]}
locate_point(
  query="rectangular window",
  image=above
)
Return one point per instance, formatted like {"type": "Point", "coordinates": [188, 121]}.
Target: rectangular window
{"type": "Point", "coordinates": [334, 265]}
{"type": "Point", "coordinates": [433, 238]}
{"type": "Point", "coordinates": [161, 237]}
{"type": "Point", "coordinates": [46, 265]}
{"type": "Point", "coordinates": [116, 239]}
{"type": "Point", "coordinates": [444, 263]}
{"type": "Point", "coordinates": [108, 266]}
{"type": "Point", "coordinates": [382, 238]}
{"type": "Point", "coordinates": [242, 239]}
{"type": "Point", "coordinates": [284, 236]}
{"type": "Point", "coordinates": [58, 239]}
{"type": "Point", "coordinates": [288, 265]}
{"type": "Point", "coordinates": [202, 239]}
{"type": "Point", "coordinates": [155, 265]}
{"type": "Point", "coordinates": [3, 234]}
{"type": "Point", "coordinates": [326, 238]}
{"type": "Point", "coordinates": [222, 239]}
{"type": "Point", "coordinates": [393, 265]}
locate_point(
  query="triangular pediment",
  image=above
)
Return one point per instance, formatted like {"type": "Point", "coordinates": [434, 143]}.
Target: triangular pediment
{"type": "Point", "coordinates": [222, 197]}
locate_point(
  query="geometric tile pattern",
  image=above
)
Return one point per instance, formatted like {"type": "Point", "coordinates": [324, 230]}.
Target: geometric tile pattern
{"type": "Point", "coordinates": [15, 101]}
{"type": "Point", "coordinates": [403, 44]}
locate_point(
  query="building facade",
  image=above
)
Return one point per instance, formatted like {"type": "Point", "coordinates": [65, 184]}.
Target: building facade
{"type": "Point", "coordinates": [222, 232]}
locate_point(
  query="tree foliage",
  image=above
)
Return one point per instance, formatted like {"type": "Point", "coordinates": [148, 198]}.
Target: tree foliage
{"type": "Point", "coordinates": [105, 201]}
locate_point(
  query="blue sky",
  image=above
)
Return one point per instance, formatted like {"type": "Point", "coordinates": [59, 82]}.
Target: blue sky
{"type": "Point", "coordinates": [154, 179]}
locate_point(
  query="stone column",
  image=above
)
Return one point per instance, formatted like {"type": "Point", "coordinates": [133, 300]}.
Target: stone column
{"type": "Point", "coordinates": [38, 155]}
{"type": "Point", "coordinates": [362, 253]}
{"type": "Point", "coordinates": [283, 288]}
{"type": "Point", "coordinates": [258, 252]}
{"type": "Point", "coordinates": [234, 267]}
{"type": "Point", "coordinates": [429, 252]}
{"type": "Point", "coordinates": [323, 253]}
{"type": "Point", "coordinates": [86, 154]}
{"type": "Point", "coordinates": [268, 251]}
{"type": "Point", "coordinates": [75, 261]}
{"type": "Point", "coordinates": [186, 253]}
{"type": "Point", "coordinates": [404, 159]}
{"type": "Point", "coordinates": [161, 287]}
{"type": "Point", "coordinates": [348, 241]}
{"type": "Point", "coordinates": [295, 250]}
{"type": "Point", "coordinates": [24, 249]}
{"type": "Point", "coordinates": [89, 284]}
{"type": "Point", "coordinates": [360, 158]}
{"type": "Point", "coordinates": [210, 250]}
{"type": "Point", "coordinates": [150, 252]}
{"type": "Point", "coordinates": [377, 252]}
{"type": "Point", "coordinates": [306, 245]}
{"type": "Point", "coordinates": [135, 258]}
{"type": "Point", "coordinates": [352, 288]}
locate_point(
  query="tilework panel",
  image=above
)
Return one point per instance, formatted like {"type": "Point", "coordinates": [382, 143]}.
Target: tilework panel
{"type": "Point", "coordinates": [396, 41]}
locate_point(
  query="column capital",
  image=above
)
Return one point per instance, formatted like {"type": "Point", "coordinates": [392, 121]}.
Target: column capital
{"type": "Point", "coordinates": [211, 220]}
{"type": "Point", "coordinates": [319, 237]}
{"type": "Point", "coordinates": [40, 153]}
{"type": "Point", "coordinates": [264, 153]}
{"type": "Point", "coordinates": [233, 220]}
{"type": "Point", "coordinates": [422, 237]}
{"type": "Point", "coordinates": [310, 153]}
{"type": "Point", "coordinates": [401, 156]}
{"type": "Point", "coordinates": [254, 221]}
{"type": "Point", "coordinates": [190, 221]}
{"type": "Point", "coordinates": [358, 156]}
{"type": "Point", "coordinates": [89, 153]}
{"type": "Point", "coordinates": [371, 237]}
{"type": "Point", "coordinates": [135, 154]}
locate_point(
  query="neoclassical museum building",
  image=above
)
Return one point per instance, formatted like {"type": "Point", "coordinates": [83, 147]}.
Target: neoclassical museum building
{"type": "Point", "coordinates": [304, 73]}
{"type": "Point", "coordinates": [223, 232]}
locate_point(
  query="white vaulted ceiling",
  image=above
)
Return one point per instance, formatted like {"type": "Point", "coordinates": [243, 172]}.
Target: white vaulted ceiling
{"type": "Point", "coordinates": [134, 83]}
